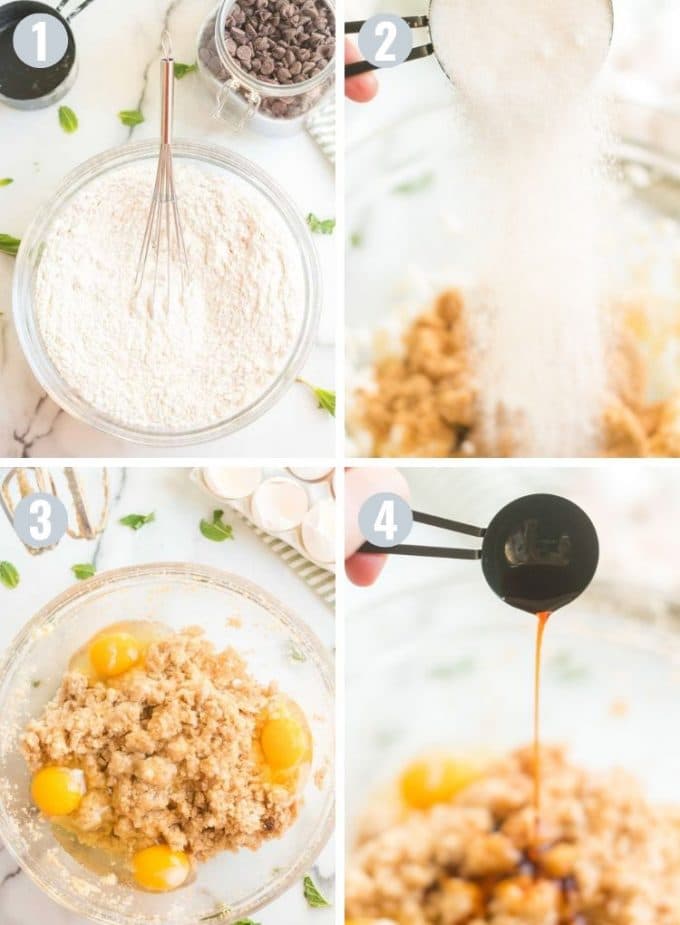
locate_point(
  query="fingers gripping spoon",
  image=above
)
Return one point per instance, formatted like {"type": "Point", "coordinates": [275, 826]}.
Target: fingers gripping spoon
{"type": "Point", "coordinates": [539, 552]}
{"type": "Point", "coordinates": [429, 21]}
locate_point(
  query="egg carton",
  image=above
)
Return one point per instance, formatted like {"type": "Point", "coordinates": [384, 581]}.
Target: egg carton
{"type": "Point", "coordinates": [258, 490]}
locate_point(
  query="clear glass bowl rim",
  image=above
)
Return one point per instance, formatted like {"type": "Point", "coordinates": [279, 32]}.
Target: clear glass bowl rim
{"type": "Point", "coordinates": [217, 578]}
{"type": "Point", "coordinates": [26, 323]}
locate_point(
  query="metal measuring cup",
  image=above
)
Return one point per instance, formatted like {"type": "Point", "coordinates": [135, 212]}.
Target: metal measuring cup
{"type": "Point", "coordinates": [17, 79]}
{"type": "Point", "coordinates": [422, 51]}
{"type": "Point", "coordinates": [539, 553]}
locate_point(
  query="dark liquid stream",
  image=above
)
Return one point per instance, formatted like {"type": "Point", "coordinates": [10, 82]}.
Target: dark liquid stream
{"type": "Point", "coordinates": [543, 617]}
{"type": "Point", "coordinates": [532, 863]}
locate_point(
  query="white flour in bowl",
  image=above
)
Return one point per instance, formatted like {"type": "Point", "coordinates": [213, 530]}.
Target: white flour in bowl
{"type": "Point", "coordinates": [534, 209]}
{"type": "Point", "coordinates": [215, 347]}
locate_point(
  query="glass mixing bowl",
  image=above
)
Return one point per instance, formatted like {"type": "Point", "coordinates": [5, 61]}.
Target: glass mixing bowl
{"type": "Point", "coordinates": [277, 646]}
{"type": "Point", "coordinates": [448, 665]}
{"type": "Point", "coordinates": [208, 157]}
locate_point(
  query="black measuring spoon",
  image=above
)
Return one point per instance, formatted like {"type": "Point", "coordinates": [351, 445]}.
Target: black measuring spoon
{"type": "Point", "coordinates": [539, 552]}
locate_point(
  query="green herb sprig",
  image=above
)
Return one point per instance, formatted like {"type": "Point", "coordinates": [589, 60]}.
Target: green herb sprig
{"type": "Point", "coordinates": [215, 529]}
{"type": "Point", "coordinates": [9, 576]}
{"type": "Point", "coordinates": [9, 245]}
{"type": "Point", "coordinates": [312, 894]}
{"type": "Point", "coordinates": [131, 117]}
{"type": "Point", "coordinates": [181, 70]}
{"type": "Point", "coordinates": [83, 571]}
{"type": "Point", "coordinates": [6, 181]}
{"type": "Point", "coordinates": [68, 120]}
{"type": "Point", "coordinates": [137, 521]}
{"type": "Point", "coordinates": [325, 397]}
{"type": "Point", "coordinates": [416, 185]}
{"type": "Point", "coordinates": [320, 226]}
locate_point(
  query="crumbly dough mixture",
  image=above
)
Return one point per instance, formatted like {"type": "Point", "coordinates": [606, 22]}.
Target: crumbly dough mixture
{"type": "Point", "coordinates": [209, 351]}
{"type": "Point", "coordinates": [167, 751]}
{"type": "Point", "coordinates": [423, 400]}
{"type": "Point", "coordinates": [607, 857]}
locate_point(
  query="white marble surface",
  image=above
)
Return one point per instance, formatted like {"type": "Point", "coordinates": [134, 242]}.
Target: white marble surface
{"type": "Point", "coordinates": [118, 45]}
{"type": "Point", "coordinates": [179, 505]}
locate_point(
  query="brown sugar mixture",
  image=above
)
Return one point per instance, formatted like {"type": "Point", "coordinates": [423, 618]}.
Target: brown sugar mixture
{"type": "Point", "coordinates": [162, 752]}
{"type": "Point", "coordinates": [423, 402]}
{"type": "Point", "coordinates": [449, 847]}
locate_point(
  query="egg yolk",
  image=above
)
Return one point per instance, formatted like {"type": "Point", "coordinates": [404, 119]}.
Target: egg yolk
{"type": "Point", "coordinates": [434, 779]}
{"type": "Point", "coordinates": [58, 791]}
{"type": "Point", "coordinates": [114, 653]}
{"type": "Point", "coordinates": [285, 743]}
{"type": "Point", "coordinates": [159, 868]}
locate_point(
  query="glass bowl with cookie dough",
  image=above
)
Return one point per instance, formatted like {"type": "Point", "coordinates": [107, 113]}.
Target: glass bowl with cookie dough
{"type": "Point", "coordinates": [420, 372]}
{"type": "Point", "coordinates": [440, 783]}
{"type": "Point", "coordinates": [137, 358]}
{"type": "Point", "coordinates": [166, 753]}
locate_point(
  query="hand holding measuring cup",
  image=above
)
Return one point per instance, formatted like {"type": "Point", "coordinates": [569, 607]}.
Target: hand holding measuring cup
{"type": "Point", "coordinates": [361, 484]}
{"type": "Point", "coordinates": [479, 43]}
{"type": "Point", "coordinates": [539, 552]}
{"type": "Point", "coordinates": [363, 87]}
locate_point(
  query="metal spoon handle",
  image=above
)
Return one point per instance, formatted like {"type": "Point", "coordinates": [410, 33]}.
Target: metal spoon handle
{"type": "Point", "coordinates": [167, 89]}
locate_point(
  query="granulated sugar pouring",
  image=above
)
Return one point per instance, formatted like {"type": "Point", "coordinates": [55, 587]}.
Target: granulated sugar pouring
{"type": "Point", "coordinates": [525, 72]}
{"type": "Point", "coordinates": [220, 342]}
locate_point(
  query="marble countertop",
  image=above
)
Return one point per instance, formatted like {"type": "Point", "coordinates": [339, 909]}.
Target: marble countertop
{"type": "Point", "coordinates": [118, 47]}
{"type": "Point", "coordinates": [179, 504]}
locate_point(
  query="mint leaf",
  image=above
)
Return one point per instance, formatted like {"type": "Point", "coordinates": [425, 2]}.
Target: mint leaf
{"type": "Point", "coordinates": [181, 70]}
{"type": "Point", "coordinates": [130, 117]}
{"type": "Point", "coordinates": [68, 120]}
{"type": "Point", "coordinates": [325, 397]}
{"type": "Point", "coordinates": [83, 571]}
{"type": "Point", "coordinates": [246, 922]}
{"type": "Point", "coordinates": [416, 185]}
{"type": "Point", "coordinates": [312, 895]}
{"type": "Point", "coordinates": [320, 227]}
{"type": "Point", "coordinates": [6, 181]}
{"type": "Point", "coordinates": [9, 575]}
{"type": "Point", "coordinates": [9, 245]}
{"type": "Point", "coordinates": [356, 239]}
{"type": "Point", "coordinates": [215, 529]}
{"type": "Point", "coordinates": [137, 521]}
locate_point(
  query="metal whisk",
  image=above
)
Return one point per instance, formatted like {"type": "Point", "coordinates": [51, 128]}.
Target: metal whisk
{"type": "Point", "coordinates": [163, 234]}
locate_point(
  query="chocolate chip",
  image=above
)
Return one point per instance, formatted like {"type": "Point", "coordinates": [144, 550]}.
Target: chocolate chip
{"type": "Point", "coordinates": [280, 41]}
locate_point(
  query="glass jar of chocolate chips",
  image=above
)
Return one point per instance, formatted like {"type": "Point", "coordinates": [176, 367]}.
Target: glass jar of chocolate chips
{"type": "Point", "coordinates": [270, 61]}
